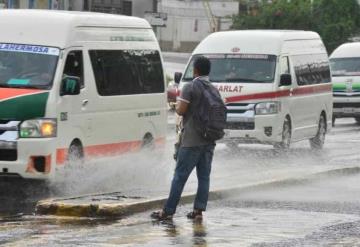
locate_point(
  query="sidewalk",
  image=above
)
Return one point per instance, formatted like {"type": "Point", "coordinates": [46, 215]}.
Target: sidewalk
{"type": "Point", "coordinates": [118, 205]}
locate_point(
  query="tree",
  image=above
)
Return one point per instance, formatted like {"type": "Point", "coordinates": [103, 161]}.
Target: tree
{"type": "Point", "coordinates": [277, 15]}
{"type": "Point", "coordinates": [336, 21]}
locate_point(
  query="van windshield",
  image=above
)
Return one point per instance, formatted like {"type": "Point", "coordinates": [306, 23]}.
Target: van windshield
{"type": "Point", "coordinates": [248, 68]}
{"type": "Point", "coordinates": [27, 66]}
{"type": "Point", "coordinates": [345, 66]}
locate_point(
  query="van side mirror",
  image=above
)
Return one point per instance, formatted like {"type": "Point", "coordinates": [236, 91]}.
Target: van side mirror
{"type": "Point", "coordinates": [70, 85]}
{"type": "Point", "coordinates": [177, 77]}
{"type": "Point", "coordinates": [285, 80]}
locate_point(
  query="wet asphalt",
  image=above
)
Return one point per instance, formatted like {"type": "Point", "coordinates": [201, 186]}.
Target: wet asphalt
{"type": "Point", "coordinates": [324, 212]}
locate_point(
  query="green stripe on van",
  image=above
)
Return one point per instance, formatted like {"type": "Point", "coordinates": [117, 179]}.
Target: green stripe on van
{"type": "Point", "coordinates": [24, 107]}
{"type": "Point", "coordinates": [356, 86]}
{"type": "Point", "coordinates": [339, 86]}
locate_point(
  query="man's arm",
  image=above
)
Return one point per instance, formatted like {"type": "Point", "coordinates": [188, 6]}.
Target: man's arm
{"type": "Point", "coordinates": [182, 103]}
{"type": "Point", "coordinates": [181, 107]}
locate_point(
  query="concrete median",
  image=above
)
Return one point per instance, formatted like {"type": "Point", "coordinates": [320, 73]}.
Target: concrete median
{"type": "Point", "coordinates": [116, 205]}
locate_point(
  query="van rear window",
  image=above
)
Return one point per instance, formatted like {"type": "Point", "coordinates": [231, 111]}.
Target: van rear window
{"type": "Point", "coordinates": [126, 72]}
{"type": "Point", "coordinates": [248, 68]}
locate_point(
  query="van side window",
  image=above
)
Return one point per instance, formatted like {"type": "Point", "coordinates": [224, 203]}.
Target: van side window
{"type": "Point", "coordinates": [285, 68]}
{"type": "Point", "coordinates": [74, 66]}
{"type": "Point", "coordinates": [126, 72]}
{"type": "Point", "coordinates": [311, 69]}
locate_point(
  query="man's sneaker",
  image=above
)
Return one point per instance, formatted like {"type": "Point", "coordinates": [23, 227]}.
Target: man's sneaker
{"type": "Point", "coordinates": [161, 215]}
{"type": "Point", "coordinates": [195, 215]}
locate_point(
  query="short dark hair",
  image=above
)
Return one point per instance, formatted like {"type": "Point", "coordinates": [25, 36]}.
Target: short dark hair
{"type": "Point", "coordinates": [202, 65]}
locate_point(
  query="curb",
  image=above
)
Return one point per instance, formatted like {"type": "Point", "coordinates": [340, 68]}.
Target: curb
{"type": "Point", "coordinates": [59, 206]}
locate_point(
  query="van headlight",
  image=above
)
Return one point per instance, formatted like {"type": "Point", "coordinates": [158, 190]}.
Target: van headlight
{"type": "Point", "coordinates": [265, 108]}
{"type": "Point", "coordinates": [38, 128]}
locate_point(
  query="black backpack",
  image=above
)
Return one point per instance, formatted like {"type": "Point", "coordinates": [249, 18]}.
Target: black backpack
{"type": "Point", "coordinates": [210, 115]}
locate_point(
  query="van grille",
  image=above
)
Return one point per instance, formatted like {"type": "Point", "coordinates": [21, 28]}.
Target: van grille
{"type": "Point", "coordinates": [240, 125]}
{"type": "Point", "coordinates": [349, 104]}
{"type": "Point", "coordinates": [346, 95]}
{"type": "Point", "coordinates": [239, 108]}
{"type": "Point", "coordinates": [8, 154]}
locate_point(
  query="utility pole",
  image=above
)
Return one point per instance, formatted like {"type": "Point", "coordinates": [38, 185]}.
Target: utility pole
{"type": "Point", "coordinates": [155, 7]}
{"type": "Point", "coordinates": [86, 5]}
{"type": "Point", "coordinates": [213, 22]}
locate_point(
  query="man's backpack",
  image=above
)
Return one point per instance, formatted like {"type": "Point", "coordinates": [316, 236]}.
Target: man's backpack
{"type": "Point", "coordinates": [210, 115]}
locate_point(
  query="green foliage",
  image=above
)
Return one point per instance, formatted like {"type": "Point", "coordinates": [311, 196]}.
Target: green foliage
{"type": "Point", "coordinates": [335, 20]}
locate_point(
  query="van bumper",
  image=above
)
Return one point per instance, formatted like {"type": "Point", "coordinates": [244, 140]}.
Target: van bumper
{"type": "Point", "coordinates": [265, 129]}
{"type": "Point", "coordinates": [346, 107]}
{"type": "Point", "coordinates": [31, 159]}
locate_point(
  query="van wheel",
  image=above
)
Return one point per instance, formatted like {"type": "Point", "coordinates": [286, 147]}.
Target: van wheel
{"type": "Point", "coordinates": [75, 153]}
{"type": "Point", "coordinates": [286, 136]}
{"type": "Point", "coordinates": [318, 141]}
{"type": "Point", "coordinates": [148, 142]}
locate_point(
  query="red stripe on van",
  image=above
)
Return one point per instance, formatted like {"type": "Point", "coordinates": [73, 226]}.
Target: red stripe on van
{"type": "Point", "coordinates": [7, 93]}
{"type": "Point", "coordinates": [61, 156]}
{"type": "Point", "coordinates": [312, 89]}
{"type": "Point", "coordinates": [304, 90]}
{"type": "Point", "coordinates": [112, 149]}
{"type": "Point", "coordinates": [106, 149]}
{"type": "Point", "coordinates": [266, 95]}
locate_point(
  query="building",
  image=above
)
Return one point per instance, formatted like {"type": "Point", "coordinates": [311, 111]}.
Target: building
{"type": "Point", "coordinates": [124, 7]}
{"type": "Point", "coordinates": [42, 4]}
{"type": "Point", "coordinates": [180, 24]}
{"type": "Point", "coordinates": [190, 21]}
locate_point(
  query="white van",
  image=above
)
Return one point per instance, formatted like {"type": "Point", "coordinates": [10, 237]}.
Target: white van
{"type": "Point", "coordinates": [76, 84]}
{"type": "Point", "coordinates": [345, 68]}
{"type": "Point", "coordinates": [276, 84]}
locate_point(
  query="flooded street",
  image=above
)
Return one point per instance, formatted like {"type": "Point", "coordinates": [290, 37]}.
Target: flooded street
{"type": "Point", "coordinates": [321, 212]}
{"type": "Point", "coordinates": [296, 215]}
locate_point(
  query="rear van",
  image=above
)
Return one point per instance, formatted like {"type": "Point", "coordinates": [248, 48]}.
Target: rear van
{"type": "Point", "coordinates": [345, 68]}
{"type": "Point", "coordinates": [276, 85]}
{"type": "Point", "coordinates": [76, 85]}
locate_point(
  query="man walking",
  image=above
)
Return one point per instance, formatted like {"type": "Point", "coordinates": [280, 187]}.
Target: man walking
{"type": "Point", "coordinates": [195, 150]}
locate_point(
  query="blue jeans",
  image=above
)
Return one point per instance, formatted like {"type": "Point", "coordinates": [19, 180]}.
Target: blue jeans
{"type": "Point", "coordinates": [189, 158]}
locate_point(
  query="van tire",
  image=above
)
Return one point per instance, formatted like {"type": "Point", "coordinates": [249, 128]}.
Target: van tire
{"type": "Point", "coordinates": [148, 142]}
{"type": "Point", "coordinates": [318, 141]}
{"type": "Point", "coordinates": [286, 136]}
{"type": "Point", "coordinates": [75, 152]}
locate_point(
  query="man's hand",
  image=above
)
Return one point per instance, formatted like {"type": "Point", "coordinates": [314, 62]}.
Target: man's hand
{"type": "Point", "coordinates": [181, 107]}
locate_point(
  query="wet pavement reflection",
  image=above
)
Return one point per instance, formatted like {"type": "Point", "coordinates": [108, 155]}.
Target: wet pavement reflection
{"type": "Point", "coordinates": [18, 196]}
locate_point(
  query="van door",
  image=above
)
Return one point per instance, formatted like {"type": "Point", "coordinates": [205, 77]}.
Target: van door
{"type": "Point", "coordinates": [303, 104]}
{"type": "Point", "coordinates": [74, 120]}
